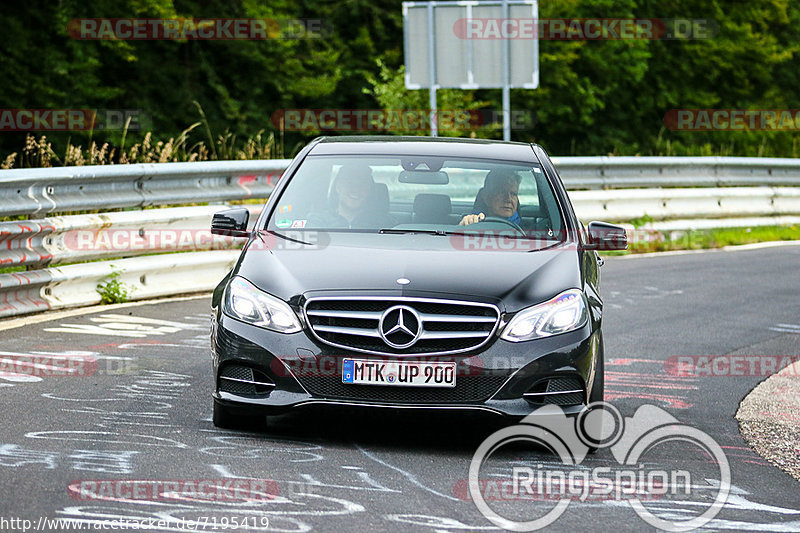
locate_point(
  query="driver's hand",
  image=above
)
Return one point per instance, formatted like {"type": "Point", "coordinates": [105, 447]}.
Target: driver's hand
{"type": "Point", "coordinates": [471, 219]}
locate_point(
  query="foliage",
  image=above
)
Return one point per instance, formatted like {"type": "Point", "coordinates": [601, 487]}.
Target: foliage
{"type": "Point", "coordinates": [389, 90]}
{"type": "Point", "coordinates": [596, 97]}
{"type": "Point", "coordinates": [641, 221]}
{"type": "Point", "coordinates": [112, 290]}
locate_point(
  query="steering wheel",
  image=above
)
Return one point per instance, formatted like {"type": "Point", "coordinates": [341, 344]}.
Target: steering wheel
{"type": "Point", "coordinates": [505, 221]}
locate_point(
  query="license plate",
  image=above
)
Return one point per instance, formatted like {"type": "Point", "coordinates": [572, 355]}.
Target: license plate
{"type": "Point", "coordinates": [399, 373]}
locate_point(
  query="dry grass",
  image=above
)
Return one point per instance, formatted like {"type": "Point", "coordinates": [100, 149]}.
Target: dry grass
{"type": "Point", "coordinates": [39, 153]}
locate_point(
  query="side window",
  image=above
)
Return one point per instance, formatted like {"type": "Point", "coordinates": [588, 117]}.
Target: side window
{"type": "Point", "coordinates": [528, 189]}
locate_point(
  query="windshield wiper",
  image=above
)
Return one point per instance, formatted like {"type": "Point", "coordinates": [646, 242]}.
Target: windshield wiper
{"type": "Point", "coordinates": [394, 231]}
{"type": "Point", "coordinates": [489, 233]}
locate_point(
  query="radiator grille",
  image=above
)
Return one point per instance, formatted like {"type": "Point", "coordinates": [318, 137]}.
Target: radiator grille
{"type": "Point", "coordinates": [402, 326]}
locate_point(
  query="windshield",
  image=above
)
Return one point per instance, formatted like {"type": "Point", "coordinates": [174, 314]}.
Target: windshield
{"type": "Point", "coordinates": [391, 194]}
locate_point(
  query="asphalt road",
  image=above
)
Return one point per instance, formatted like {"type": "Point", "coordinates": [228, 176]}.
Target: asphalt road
{"type": "Point", "coordinates": [70, 446]}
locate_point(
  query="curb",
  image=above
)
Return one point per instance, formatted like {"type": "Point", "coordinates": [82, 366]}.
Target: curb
{"type": "Point", "coordinates": [769, 419]}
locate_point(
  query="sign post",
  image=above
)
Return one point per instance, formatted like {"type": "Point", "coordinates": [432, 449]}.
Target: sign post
{"type": "Point", "coordinates": [506, 82]}
{"type": "Point", "coordinates": [432, 72]}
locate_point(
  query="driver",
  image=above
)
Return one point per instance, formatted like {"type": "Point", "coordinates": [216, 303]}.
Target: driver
{"type": "Point", "coordinates": [498, 198]}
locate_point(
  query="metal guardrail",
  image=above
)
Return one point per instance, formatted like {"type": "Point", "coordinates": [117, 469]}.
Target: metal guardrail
{"type": "Point", "coordinates": [606, 188]}
{"type": "Point", "coordinates": [56, 240]}
{"type": "Point", "coordinates": [630, 172]}
{"type": "Point", "coordinates": [63, 189]}
{"type": "Point", "coordinates": [118, 238]}
{"type": "Point", "coordinates": [71, 239]}
{"type": "Point", "coordinates": [147, 277]}
{"type": "Point", "coordinates": [41, 191]}
{"type": "Point", "coordinates": [617, 205]}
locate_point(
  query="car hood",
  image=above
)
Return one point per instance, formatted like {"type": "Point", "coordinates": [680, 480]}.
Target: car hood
{"type": "Point", "coordinates": [434, 265]}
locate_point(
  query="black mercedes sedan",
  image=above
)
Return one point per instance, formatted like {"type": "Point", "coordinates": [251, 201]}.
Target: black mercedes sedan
{"type": "Point", "coordinates": [411, 272]}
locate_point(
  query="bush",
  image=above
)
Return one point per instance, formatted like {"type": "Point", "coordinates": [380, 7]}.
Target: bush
{"type": "Point", "coordinates": [112, 290]}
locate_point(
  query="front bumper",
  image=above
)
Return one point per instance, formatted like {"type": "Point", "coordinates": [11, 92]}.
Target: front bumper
{"type": "Point", "coordinates": [307, 373]}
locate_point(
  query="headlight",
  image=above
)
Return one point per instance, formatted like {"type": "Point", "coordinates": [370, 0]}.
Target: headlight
{"type": "Point", "coordinates": [566, 312]}
{"type": "Point", "coordinates": [248, 304]}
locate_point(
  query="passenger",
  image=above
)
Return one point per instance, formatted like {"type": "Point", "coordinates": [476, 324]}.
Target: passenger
{"type": "Point", "coordinates": [499, 198]}
{"type": "Point", "coordinates": [355, 203]}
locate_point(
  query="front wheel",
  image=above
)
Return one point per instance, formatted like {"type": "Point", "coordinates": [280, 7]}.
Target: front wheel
{"type": "Point", "coordinates": [229, 418]}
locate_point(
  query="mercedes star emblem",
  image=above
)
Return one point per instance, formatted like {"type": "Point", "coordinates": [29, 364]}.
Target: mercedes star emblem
{"type": "Point", "coordinates": [400, 326]}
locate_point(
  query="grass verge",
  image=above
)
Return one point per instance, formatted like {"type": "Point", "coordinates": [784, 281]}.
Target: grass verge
{"type": "Point", "coordinates": [706, 239]}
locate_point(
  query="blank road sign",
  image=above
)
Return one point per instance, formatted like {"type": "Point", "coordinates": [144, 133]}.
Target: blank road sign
{"type": "Point", "coordinates": [458, 45]}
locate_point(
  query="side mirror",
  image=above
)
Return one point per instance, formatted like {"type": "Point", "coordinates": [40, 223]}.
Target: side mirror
{"type": "Point", "coordinates": [604, 236]}
{"type": "Point", "coordinates": [231, 222]}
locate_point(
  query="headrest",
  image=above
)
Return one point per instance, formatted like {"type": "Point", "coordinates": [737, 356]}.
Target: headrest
{"type": "Point", "coordinates": [432, 208]}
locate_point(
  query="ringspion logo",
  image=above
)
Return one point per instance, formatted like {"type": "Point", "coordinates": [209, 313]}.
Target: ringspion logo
{"type": "Point", "coordinates": [635, 479]}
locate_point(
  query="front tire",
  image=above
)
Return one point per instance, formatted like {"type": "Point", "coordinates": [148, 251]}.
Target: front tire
{"type": "Point", "coordinates": [598, 386]}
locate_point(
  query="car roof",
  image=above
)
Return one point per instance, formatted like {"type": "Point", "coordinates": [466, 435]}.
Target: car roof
{"type": "Point", "coordinates": [435, 146]}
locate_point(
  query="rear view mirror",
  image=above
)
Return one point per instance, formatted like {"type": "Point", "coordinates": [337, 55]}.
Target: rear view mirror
{"type": "Point", "coordinates": [424, 177]}
{"type": "Point", "coordinates": [604, 236]}
{"type": "Point", "coordinates": [231, 222]}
